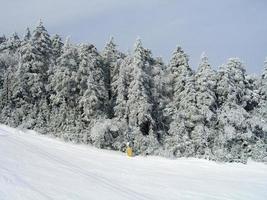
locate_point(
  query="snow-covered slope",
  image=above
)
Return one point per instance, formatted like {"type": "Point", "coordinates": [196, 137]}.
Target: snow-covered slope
{"type": "Point", "coordinates": [37, 167]}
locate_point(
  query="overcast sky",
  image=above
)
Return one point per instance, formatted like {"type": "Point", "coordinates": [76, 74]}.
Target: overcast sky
{"type": "Point", "coordinates": [223, 29]}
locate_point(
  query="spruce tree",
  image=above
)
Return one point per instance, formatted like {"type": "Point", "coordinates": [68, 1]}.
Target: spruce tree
{"type": "Point", "coordinates": [237, 130]}
{"type": "Point", "coordinates": [186, 131]}
{"type": "Point", "coordinates": [2, 39]}
{"type": "Point", "coordinates": [206, 103]}
{"type": "Point", "coordinates": [94, 99]}
{"type": "Point", "coordinates": [158, 73]}
{"type": "Point", "coordinates": [112, 60]}
{"type": "Point", "coordinates": [57, 48]}
{"type": "Point", "coordinates": [178, 72]}
{"type": "Point", "coordinates": [140, 103]}
{"type": "Point", "coordinates": [27, 35]}
{"type": "Point", "coordinates": [123, 82]}
{"type": "Point", "coordinates": [65, 98]}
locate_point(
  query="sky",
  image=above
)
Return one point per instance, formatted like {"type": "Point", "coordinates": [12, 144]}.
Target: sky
{"type": "Point", "coordinates": [221, 29]}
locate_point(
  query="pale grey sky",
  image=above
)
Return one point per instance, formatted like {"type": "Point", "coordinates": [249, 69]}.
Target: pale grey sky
{"type": "Point", "coordinates": [223, 29]}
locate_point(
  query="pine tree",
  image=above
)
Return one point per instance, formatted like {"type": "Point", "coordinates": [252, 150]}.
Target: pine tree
{"type": "Point", "coordinates": [259, 119]}
{"type": "Point", "coordinates": [191, 129]}
{"type": "Point", "coordinates": [12, 44]}
{"type": "Point", "coordinates": [8, 67]}
{"type": "Point", "coordinates": [41, 43]}
{"type": "Point", "coordinates": [178, 72]}
{"type": "Point", "coordinates": [27, 35]}
{"type": "Point", "coordinates": [57, 48]}
{"type": "Point", "coordinates": [112, 60]}
{"type": "Point", "coordinates": [123, 83]}
{"type": "Point", "coordinates": [65, 98]}
{"type": "Point", "coordinates": [237, 130]}
{"type": "Point", "coordinates": [263, 91]}
{"type": "Point", "coordinates": [28, 87]}
{"type": "Point", "coordinates": [94, 100]}
{"type": "Point", "coordinates": [9, 56]}
{"type": "Point", "coordinates": [185, 129]}
{"type": "Point", "coordinates": [140, 103]}
{"type": "Point", "coordinates": [206, 103]}
{"type": "Point", "coordinates": [160, 99]}
{"type": "Point", "coordinates": [2, 39]}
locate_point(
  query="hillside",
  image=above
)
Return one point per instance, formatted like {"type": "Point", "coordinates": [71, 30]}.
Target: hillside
{"type": "Point", "coordinates": [34, 167]}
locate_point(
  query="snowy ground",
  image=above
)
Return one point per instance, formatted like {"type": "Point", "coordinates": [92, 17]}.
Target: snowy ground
{"type": "Point", "coordinates": [37, 167]}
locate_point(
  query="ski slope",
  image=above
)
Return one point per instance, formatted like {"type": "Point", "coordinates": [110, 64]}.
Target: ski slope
{"type": "Point", "coordinates": [36, 167]}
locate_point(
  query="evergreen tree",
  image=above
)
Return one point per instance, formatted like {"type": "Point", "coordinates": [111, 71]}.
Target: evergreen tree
{"type": "Point", "coordinates": [29, 87]}
{"type": "Point", "coordinates": [259, 118]}
{"type": "Point", "coordinates": [95, 97]}
{"type": "Point", "coordinates": [2, 39]}
{"type": "Point", "coordinates": [123, 82]}
{"type": "Point", "coordinates": [8, 67]}
{"type": "Point", "coordinates": [42, 44]}
{"type": "Point", "coordinates": [57, 47]}
{"type": "Point", "coordinates": [206, 103]}
{"type": "Point", "coordinates": [112, 59]}
{"type": "Point", "coordinates": [140, 103]}
{"type": "Point", "coordinates": [65, 99]}
{"type": "Point", "coordinates": [191, 130]}
{"type": "Point", "coordinates": [27, 35]}
{"type": "Point", "coordinates": [12, 44]}
{"type": "Point", "coordinates": [178, 72]}
{"type": "Point", "coordinates": [160, 99]}
{"type": "Point", "coordinates": [185, 129]}
{"type": "Point", "coordinates": [263, 92]}
{"type": "Point", "coordinates": [237, 130]}
{"type": "Point", "coordinates": [91, 81]}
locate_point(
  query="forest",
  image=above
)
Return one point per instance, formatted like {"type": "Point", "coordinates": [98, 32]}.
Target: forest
{"type": "Point", "coordinates": [110, 98]}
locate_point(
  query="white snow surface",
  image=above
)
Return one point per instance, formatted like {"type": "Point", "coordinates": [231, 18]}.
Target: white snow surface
{"type": "Point", "coordinates": [37, 167]}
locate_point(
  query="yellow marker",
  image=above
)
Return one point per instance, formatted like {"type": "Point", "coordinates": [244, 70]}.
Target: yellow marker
{"type": "Point", "coordinates": [129, 151]}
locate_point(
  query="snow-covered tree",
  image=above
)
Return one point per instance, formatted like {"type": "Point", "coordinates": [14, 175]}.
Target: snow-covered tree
{"type": "Point", "coordinates": [12, 44]}
{"type": "Point", "coordinates": [191, 129]}
{"type": "Point", "coordinates": [237, 130]}
{"type": "Point", "coordinates": [140, 102]}
{"type": "Point", "coordinates": [2, 39]}
{"type": "Point", "coordinates": [185, 129]}
{"type": "Point", "coordinates": [8, 67]}
{"type": "Point", "coordinates": [31, 78]}
{"type": "Point", "coordinates": [259, 115]}
{"type": "Point", "coordinates": [206, 103]}
{"type": "Point", "coordinates": [263, 92]}
{"type": "Point", "coordinates": [112, 60]}
{"type": "Point", "coordinates": [94, 100]}
{"type": "Point", "coordinates": [160, 99]}
{"type": "Point", "coordinates": [178, 72]}
{"type": "Point", "coordinates": [27, 35]}
{"type": "Point", "coordinates": [123, 82]}
{"type": "Point", "coordinates": [57, 48]}
{"type": "Point", "coordinates": [65, 99]}
{"type": "Point", "coordinates": [42, 43]}
{"type": "Point", "coordinates": [9, 56]}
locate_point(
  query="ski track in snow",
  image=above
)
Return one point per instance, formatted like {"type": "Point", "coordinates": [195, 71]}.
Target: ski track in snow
{"type": "Point", "coordinates": [38, 167]}
{"type": "Point", "coordinates": [129, 194]}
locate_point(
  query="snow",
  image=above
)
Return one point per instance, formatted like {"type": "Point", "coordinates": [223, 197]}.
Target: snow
{"type": "Point", "coordinates": [34, 167]}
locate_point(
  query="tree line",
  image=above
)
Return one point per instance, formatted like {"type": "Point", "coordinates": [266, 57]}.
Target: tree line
{"type": "Point", "coordinates": [109, 98]}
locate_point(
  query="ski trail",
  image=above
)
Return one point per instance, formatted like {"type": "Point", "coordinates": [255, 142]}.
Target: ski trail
{"type": "Point", "coordinates": [37, 167]}
{"type": "Point", "coordinates": [17, 179]}
{"type": "Point", "coordinates": [126, 192]}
